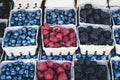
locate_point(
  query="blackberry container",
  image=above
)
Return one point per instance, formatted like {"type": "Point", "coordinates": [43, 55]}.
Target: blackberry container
{"type": "Point", "coordinates": [100, 62]}
{"type": "Point", "coordinates": [62, 50]}
{"type": "Point", "coordinates": [98, 49]}
{"type": "Point", "coordinates": [16, 51]}
{"type": "Point", "coordinates": [102, 4]}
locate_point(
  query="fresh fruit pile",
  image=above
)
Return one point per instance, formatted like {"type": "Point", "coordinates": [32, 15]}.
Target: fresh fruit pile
{"type": "Point", "coordinates": [116, 71]}
{"type": "Point", "coordinates": [21, 57]}
{"type": "Point", "coordinates": [17, 71]}
{"type": "Point", "coordinates": [25, 36]}
{"type": "Point", "coordinates": [88, 14]}
{"type": "Point", "coordinates": [2, 28]}
{"type": "Point", "coordinates": [56, 36]}
{"type": "Point", "coordinates": [89, 70]}
{"type": "Point", "coordinates": [59, 16]}
{"type": "Point", "coordinates": [95, 36]}
{"type": "Point", "coordinates": [116, 17]}
{"type": "Point", "coordinates": [117, 35]}
{"type": "Point", "coordinates": [25, 18]}
{"type": "Point", "coordinates": [50, 70]}
{"type": "Point", "coordinates": [56, 57]}
{"type": "Point", "coordinates": [5, 7]}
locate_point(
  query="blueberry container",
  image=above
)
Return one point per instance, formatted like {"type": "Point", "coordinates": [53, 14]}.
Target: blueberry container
{"type": "Point", "coordinates": [114, 62]}
{"type": "Point", "coordinates": [60, 62]}
{"type": "Point", "coordinates": [62, 50]}
{"type": "Point", "coordinates": [61, 3]}
{"type": "Point", "coordinates": [60, 20]}
{"type": "Point", "coordinates": [16, 51]}
{"type": "Point", "coordinates": [115, 14]}
{"type": "Point", "coordinates": [116, 39]}
{"type": "Point", "coordinates": [98, 49]}
{"type": "Point", "coordinates": [101, 62]}
{"type": "Point", "coordinates": [25, 21]}
{"type": "Point", "coordinates": [3, 25]}
{"type": "Point", "coordinates": [101, 5]}
{"type": "Point", "coordinates": [24, 61]}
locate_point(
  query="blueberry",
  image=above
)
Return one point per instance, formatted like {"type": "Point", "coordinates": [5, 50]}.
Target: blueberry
{"type": "Point", "coordinates": [78, 56]}
{"type": "Point", "coordinates": [83, 37]}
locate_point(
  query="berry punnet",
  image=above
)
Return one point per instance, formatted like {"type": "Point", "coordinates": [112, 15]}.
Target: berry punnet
{"type": "Point", "coordinates": [56, 36]}
{"type": "Point", "coordinates": [50, 70]}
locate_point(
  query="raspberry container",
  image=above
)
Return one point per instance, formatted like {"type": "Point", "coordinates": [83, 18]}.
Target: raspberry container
{"type": "Point", "coordinates": [5, 21]}
{"type": "Point", "coordinates": [59, 8]}
{"type": "Point", "coordinates": [99, 49]}
{"type": "Point", "coordinates": [102, 4]}
{"type": "Point", "coordinates": [25, 61]}
{"type": "Point", "coordinates": [61, 3]}
{"type": "Point", "coordinates": [102, 62]}
{"type": "Point", "coordinates": [117, 46]}
{"type": "Point", "coordinates": [62, 50]}
{"type": "Point", "coordinates": [116, 59]}
{"type": "Point", "coordinates": [60, 62]}
{"type": "Point", "coordinates": [21, 49]}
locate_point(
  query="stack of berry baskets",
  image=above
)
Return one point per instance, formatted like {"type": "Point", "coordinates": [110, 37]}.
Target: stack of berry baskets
{"type": "Point", "coordinates": [115, 64]}
{"type": "Point", "coordinates": [92, 13]}
{"type": "Point", "coordinates": [95, 39]}
{"type": "Point", "coordinates": [15, 69]}
{"type": "Point", "coordinates": [115, 13]}
{"type": "Point", "coordinates": [58, 44]}
{"type": "Point", "coordinates": [54, 69]}
{"type": "Point", "coordinates": [14, 40]}
{"type": "Point", "coordinates": [85, 68]}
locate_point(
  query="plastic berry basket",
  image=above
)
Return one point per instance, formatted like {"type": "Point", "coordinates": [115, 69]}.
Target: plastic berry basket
{"type": "Point", "coordinates": [65, 9]}
{"type": "Point", "coordinates": [34, 9]}
{"type": "Point", "coordinates": [25, 50]}
{"type": "Point", "coordinates": [102, 5]}
{"type": "Point", "coordinates": [114, 3]}
{"type": "Point", "coordinates": [117, 46]}
{"type": "Point", "coordinates": [62, 50]}
{"type": "Point", "coordinates": [25, 61]}
{"type": "Point", "coordinates": [99, 49]}
{"type": "Point", "coordinates": [60, 62]}
{"type": "Point", "coordinates": [3, 21]}
{"type": "Point", "coordinates": [102, 62]}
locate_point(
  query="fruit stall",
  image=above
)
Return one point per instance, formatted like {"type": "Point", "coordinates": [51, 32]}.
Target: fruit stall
{"type": "Point", "coordinates": [59, 39]}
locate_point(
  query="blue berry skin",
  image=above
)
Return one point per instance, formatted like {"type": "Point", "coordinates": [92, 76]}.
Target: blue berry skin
{"type": "Point", "coordinates": [116, 70]}
{"type": "Point", "coordinates": [17, 38]}
{"type": "Point", "coordinates": [116, 17]}
{"type": "Point", "coordinates": [26, 18]}
{"type": "Point", "coordinates": [60, 17]}
{"type": "Point", "coordinates": [17, 71]}
{"type": "Point", "coordinates": [117, 35]}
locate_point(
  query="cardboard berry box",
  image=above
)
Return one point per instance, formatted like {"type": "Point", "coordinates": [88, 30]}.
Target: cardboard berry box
{"type": "Point", "coordinates": [96, 4]}
{"type": "Point", "coordinates": [98, 49]}
{"type": "Point", "coordinates": [20, 49]}
{"type": "Point", "coordinates": [62, 50]}
{"type": "Point", "coordinates": [71, 74]}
